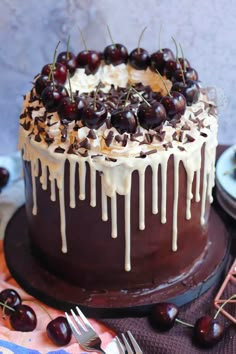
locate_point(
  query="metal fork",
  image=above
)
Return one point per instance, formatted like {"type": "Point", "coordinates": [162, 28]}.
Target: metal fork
{"type": "Point", "coordinates": [87, 338]}
{"type": "Point", "coordinates": [128, 349]}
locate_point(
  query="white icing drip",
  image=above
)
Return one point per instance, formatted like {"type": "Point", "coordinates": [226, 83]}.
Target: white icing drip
{"type": "Point", "coordinates": [92, 186]}
{"type": "Point", "coordinates": [104, 201]}
{"type": "Point", "coordinates": [163, 189]}
{"type": "Point", "coordinates": [155, 189]}
{"type": "Point", "coordinates": [34, 174]}
{"type": "Point", "coordinates": [60, 186]}
{"type": "Point", "coordinates": [72, 183]}
{"type": "Point", "coordinates": [141, 199]}
{"type": "Point", "coordinates": [114, 216]}
{"type": "Point", "coordinates": [127, 233]}
{"type": "Point", "coordinates": [44, 177]}
{"type": "Point", "coordinates": [197, 190]}
{"type": "Point", "coordinates": [175, 203]}
{"type": "Point", "coordinates": [53, 190]}
{"type": "Point", "coordinates": [82, 176]}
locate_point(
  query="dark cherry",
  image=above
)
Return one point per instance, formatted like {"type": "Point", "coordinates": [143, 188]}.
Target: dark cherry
{"type": "Point", "coordinates": [124, 120]}
{"type": "Point", "coordinates": [159, 58]}
{"type": "Point", "coordinates": [175, 104]}
{"type": "Point", "coordinates": [4, 177]}
{"type": "Point", "coordinates": [52, 97]}
{"type": "Point", "coordinates": [58, 331]}
{"type": "Point", "coordinates": [68, 109]}
{"type": "Point", "coordinates": [151, 116]}
{"type": "Point", "coordinates": [189, 74]}
{"type": "Point", "coordinates": [41, 83]}
{"type": "Point", "coordinates": [23, 318]}
{"type": "Point", "coordinates": [94, 117]}
{"type": "Point", "coordinates": [115, 54]}
{"type": "Point", "coordinates": [89, 60]}
{"type": "Point", "coordinates": [170, 67]}
{"type": "Point", "coordinates": [207, 331]}
{"type": "Point", "coordinates": [69, 60]}
{"type": "Point", "coordinates": [11, 298]}
{"type": "Point", "coordinates": [163, 316]}
{"type": "Point", "coordinates": [139, 59]}
{"type": "Point", "coordinates": [190, 89]}
{"type": "Point", "coordinates": [184, 63]}
{"type": "Point", "coordinates": [59, 72]}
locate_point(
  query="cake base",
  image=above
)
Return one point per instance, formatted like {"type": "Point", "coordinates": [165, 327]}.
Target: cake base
{"type": "Point", "coordinates": [56, 293]}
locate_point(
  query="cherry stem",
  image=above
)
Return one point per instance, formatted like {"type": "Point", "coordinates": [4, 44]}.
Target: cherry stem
{"type": "Point", "coordinates": [167, 91]}
{"type": "Point", "coordinates": [140, 38]}
{"type": "Point", "coordinates": [52, 67]}
{"type": "Point", "coordinates": [182, 53]}
{"type": "Point", "coordinates": [4, 305]}
{"type": "Point", "coordinates": [127, 97]}
{"type": "Point", "coordinates": [67, 48]}
{"type": "Point", "coordinates": [177, 60]}
{"type": "Point", "coordinates": [141, 96]}
{"type": "Point", "coordinates": [95, 95]}
{"type": "Point", "coordinates": [37, 303]}
{"type": "Point", "coordinates": [109, 32]}
{"type": "Point", "coordinates": [159, 38]}
{"type": "Point", "coordinates": [223, 305]}
{"type": "Point", "coordinates": [71, 93]}
{"type": "Point", "coordinates": [83, 39]}
{"type": "Point", "coordinates": [184, 323]}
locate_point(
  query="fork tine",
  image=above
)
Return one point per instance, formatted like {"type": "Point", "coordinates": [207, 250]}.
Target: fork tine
{"type": "Point", "coordinates": [127, 346]}
{"type": "Point", "coordinates": [72, 326]}
{"type": "Point", "coordinates": [82, 329]}
{"type": "Point", "coordinates": [120, 346]}
{"type": "Point", "coordinates": [134, 342]}
{"type": "Point", "coordinates": [85, 320]}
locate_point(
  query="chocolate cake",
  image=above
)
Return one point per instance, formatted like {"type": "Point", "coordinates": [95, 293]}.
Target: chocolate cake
{"type": "Point", "coordinates": [119, 156]}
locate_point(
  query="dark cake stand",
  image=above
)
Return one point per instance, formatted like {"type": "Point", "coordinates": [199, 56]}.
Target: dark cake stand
{"type": "Point", "coordinates": [51, 290]}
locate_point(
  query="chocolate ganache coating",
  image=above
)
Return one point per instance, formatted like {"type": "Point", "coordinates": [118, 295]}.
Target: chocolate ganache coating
{"type": "Point", "coordinates": [117, 208]}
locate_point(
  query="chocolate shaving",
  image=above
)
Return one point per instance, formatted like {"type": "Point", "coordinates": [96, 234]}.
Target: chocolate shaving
{"type": "Point", "coordinates": [84, 154]}
{"type": "Point", "coordinates": [85, 144]}
{"type": "Point", "coordinates": [125, 140]}
{"type": "Point", "coordinates": [23, 115]}
{"type": "Point", "coordinates": [175, 136]}
{"type": "Point", "coordinates": [185, 126]}
{"type": "Point", "coordinates": [181, 148]}
{"type": "Point", "coordinates": [160, 135]}
{"type": "Point", "coordinates": [168, 145]}
{"type": "Point", "coordinates": [38, 138]}
{"type": "Point", "coordinates": [48, 139]}
{"type": "Point", "coordinates": [110, 159]}
{"type": "Point", "coordinates": [92, 134]}
{"type": "Point", "coordinates": [189, 138]}
{"type": "Point", "coordinates": [198, 112]}
{"type": "Point", "coordinates": [118, 138]}
{"type": "Point", "coordinates": [109, 138]}
{"type": "Point", "coordinates": [26, 125]}
{"type": "Point", "coordinates": [204, 134]}
{"type": "Point", "coordinates": [59, 150]}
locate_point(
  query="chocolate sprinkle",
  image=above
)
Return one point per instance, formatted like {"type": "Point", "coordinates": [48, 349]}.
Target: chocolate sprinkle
{"type": "Point", "coordinates": [48, 139]}
{"type": "Point", "coordinates": [59, 150]}
{"type": "Point", "coordinates": [109, 138]}
{"type": "Point", "coordinates": [189, 138]}
{"type": "Point", "coordinates": [92, 134]}
{"type": "Point", "coordinates": [204, 134]}
{"type": "Point", "coordinates": [110, 159]}
{"type": "Point", "coordinates": [181, 148]}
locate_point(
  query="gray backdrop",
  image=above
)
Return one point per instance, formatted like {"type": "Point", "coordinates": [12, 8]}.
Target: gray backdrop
{"type": "Point", "coordinates": [30, 30]}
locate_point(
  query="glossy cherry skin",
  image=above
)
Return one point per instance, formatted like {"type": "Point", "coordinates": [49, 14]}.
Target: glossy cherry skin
{"type": "Point", "coordinates": [52, 97]}
{"type": "Point", "coordinates": [58, 330]}
{"type": "Point", "coordinates": [170, 67]}
{"type": "Point", "coordinates": [41, 83]}
{"type": "Point", "coordinates": [175, 105]}
{"type": "Point", "coordinates": [68, 109]}
{"type": "Point", "coordinates": [94, 118]}
{"type": "Point", "coordinates": [190, 89]}
{"type": "Point", "coordinates": [89, 60]}
{"type": "Point", "coordinates": [124, 120]}
{"type": "Point", "coordinates": [23, 318]}
{"type": "Point", "coordinates": [189, 74]}
{"type": "Point", "coordinates": [69, 60]}
{"type": "Point", "coordinates": [59, 72]}
{"type": "Point", "coordinates": [139, 59]}
{"type": "Point", "coordinates": [184, 63]}
{"type": "Point", "coordinates": [151, 116]}
{"type": "Point", "coordinates": [207, 331]}
{"type": "Point", "coordinates": [11, 298]}
{"type": "Point", "coordinates": [163, 315]}
{"type": "Point", "coordinates": [159, 58]}
{"type": "Point", "coordinates": [115, 54]}
{"type": "Point", "coordinates": [4, 177]}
